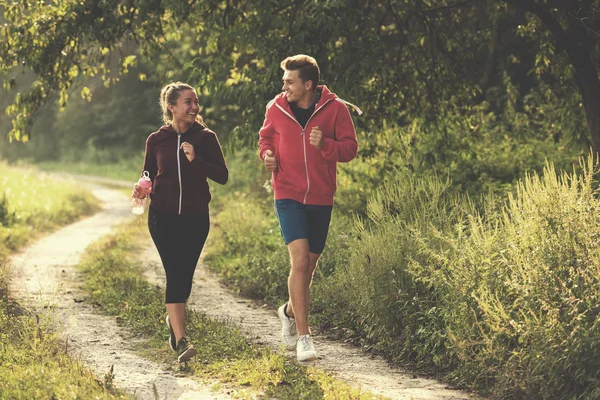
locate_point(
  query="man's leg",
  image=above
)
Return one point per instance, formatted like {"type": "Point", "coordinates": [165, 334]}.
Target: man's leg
{"type": "Point", "coordinates": [298, 284]}
{"type": "Point", "coordinates": [308, 253]}
{"type": "Point", "coordinates": [313, 261]}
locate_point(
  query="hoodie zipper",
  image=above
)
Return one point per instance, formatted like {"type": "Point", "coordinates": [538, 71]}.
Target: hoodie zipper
{"type": "Point", "coordinates": [304, 141]}
{"type": "Point", "coordinates": [179, 170]}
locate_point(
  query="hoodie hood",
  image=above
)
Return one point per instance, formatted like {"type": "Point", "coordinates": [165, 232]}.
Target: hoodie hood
{"type": "Point", "coordinates": [326, 95]}
{"type": "Point", "coordinates": [195, 127]}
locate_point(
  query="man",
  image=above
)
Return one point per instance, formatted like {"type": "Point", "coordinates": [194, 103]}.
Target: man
{"type": "Point", "coordinates": [307, 130]}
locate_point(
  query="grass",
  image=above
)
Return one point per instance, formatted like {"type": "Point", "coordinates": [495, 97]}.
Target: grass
{"type": "Point", "coordinates": [125, 170]}
{"type": "Point", "coordinates": [34, 363]}
{"type": "Point", "coordinates": [113, 273]}
{"type": "Point", "coordinates": [498, 295]}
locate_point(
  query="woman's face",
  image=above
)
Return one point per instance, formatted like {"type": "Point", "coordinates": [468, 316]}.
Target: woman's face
{"type": "Point", "coordinates": [186, 109]}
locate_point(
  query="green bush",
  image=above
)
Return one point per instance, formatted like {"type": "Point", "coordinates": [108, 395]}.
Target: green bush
{"type": "Point", "coordinates": [503, 300]}
{"type": "Point", "coordinates": [378, 298]}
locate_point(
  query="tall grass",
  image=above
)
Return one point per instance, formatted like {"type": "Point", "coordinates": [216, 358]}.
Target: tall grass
{"type": "Point", "coordinates": [34, 363]}
{"type": "Point", "coordinates": [496, 294]}
{"type": "Point", "coordinates": [504, 300]}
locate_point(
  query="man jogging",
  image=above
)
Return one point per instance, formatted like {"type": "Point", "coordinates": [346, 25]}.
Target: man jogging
{"type": "Point", "coordinates": [306, 132]}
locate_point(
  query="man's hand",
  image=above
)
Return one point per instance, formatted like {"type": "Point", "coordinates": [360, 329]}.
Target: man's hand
{"type": "Point", "coordinates": [270, 161]}
{"type": "Point", "coordinates": [316, 137]}
{"type": "Point", "coordinates": [188, 150]}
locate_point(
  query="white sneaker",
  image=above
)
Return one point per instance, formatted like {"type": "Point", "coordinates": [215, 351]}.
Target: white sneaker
{"type": "Point", "coordinates": [288, 329]}
{"type": "Point", "coordinates": [305, 349]}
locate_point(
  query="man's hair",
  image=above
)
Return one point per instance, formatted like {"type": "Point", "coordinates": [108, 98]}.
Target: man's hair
{"type": "Point", "coordinates": [307, 68]}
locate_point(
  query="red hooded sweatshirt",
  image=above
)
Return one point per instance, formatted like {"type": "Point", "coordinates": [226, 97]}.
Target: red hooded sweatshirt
{"type": "Point", "coordinates": [304, 173]}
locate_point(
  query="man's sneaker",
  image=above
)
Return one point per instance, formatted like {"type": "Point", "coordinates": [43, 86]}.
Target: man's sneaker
{"type": "Point", "coordinates": [305, 349]}
{"type": "Point", "coordinates": [288, 329]}
{"type": "Point", "coordinates": [172, 341]}
{"type": "Point", "coordinates": [185, 350]}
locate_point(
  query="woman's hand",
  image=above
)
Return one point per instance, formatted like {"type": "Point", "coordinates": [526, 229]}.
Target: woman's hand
{"type": "Point", "coordinates": [139, 192]}
{"type": "Point", "coordinates": [188, 150]}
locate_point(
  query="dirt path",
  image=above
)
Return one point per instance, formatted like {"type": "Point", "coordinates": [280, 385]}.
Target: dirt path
{"type": "Point", "coordinates": [262, 325]}
{"type": "Point", "coordinates": [44, 274]}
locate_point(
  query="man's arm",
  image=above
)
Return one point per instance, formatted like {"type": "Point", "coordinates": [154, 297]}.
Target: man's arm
{"type": "Point", "coordinates": [266, 141]}
{"type": "Point", "coordinates": [266, 134]}
{"type": "Point", "coordinates": [344, 147]}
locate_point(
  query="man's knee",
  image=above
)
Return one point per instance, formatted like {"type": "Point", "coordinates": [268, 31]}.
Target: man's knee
{"type": "Point", "coordinates": [301, 263]}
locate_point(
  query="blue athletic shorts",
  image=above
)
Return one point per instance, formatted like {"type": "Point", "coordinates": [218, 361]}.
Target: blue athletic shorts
{"type": "Point", "coordinates": [303, 221]}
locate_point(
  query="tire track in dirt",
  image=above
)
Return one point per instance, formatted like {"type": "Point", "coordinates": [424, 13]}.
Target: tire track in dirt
{"type": "Point", "coordinates": [45, 280]}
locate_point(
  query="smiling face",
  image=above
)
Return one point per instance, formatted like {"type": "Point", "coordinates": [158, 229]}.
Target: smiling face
{"type": "Point", "coordinates": [296, 90]}
{"type": "Point", "coordinates": [186, 109]}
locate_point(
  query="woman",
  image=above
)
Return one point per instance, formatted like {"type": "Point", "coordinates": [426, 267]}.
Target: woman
{"type": "Point", "coordinates": [180, 157]}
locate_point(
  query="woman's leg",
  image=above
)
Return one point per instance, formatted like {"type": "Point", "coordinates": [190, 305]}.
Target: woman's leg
{"type": "Point", "coordinates": [176, 313]}
{"type": "Point", "coordinates": [179, 240]}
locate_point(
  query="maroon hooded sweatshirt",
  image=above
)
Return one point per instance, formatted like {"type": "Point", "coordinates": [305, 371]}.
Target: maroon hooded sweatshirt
{"type": "Point", "coordinates": [178, 185]}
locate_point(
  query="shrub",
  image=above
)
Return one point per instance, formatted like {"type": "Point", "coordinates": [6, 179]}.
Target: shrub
{"type": "Point", "coordinates": [505, 299]}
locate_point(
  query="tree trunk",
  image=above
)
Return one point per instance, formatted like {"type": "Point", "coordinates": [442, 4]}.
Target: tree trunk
{"type": "Point", "coordinates": [493, 50]}
{"type": "Point", "coordinates": [577, 43]}
{"type": "Point", "coordinates": [586, 76]}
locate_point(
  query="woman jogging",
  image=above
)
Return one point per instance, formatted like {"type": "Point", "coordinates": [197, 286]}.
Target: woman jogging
{"type": "Point", "coordinates": [179, 158]}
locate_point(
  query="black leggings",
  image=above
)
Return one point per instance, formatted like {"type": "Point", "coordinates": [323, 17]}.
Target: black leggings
{"type": "Point", "coordinates": [179, 240]}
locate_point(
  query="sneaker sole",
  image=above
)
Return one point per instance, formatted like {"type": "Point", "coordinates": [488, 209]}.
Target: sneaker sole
{"type": "Point", "coordinates": [308, 357]}
{"type": "Point", "coordinates": [171, 340]}
{"type": "Point", "coordinates": [186, 355]}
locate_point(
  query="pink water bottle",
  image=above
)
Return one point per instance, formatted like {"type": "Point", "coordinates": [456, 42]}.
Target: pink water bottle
{"type": "Point", "coordinates": [138, 206]}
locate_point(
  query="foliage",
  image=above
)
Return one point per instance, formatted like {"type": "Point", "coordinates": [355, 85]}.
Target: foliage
{"type": "Point", "coordinates": [433, 279]}
{"type": "Point", "coordinates": [503, 300]}
{"type": "Point", "coordinates": [399, 60]}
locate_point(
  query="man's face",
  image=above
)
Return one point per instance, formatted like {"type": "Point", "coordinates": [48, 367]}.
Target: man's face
{"type": "Point", "coordinates": [295, 90]}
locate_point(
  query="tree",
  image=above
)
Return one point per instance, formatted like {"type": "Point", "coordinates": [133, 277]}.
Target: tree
{"type": "Point", "coordinates": [574, 29]}
{"type": "Point", "coordinates": [396, 58]}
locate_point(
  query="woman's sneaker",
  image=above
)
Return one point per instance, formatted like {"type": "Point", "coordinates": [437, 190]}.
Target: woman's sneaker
{"type": "Point", "coordinates": [172, 341]}
{"type": "Point", "coordinates": [305, 349]}
{"type": "Point", "coordinates": [185, 350]}
{"type": "Point", "coordinates": [288, 328]}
